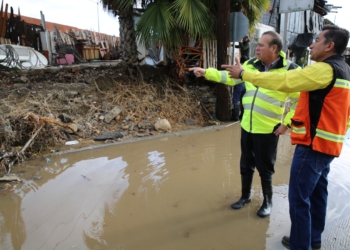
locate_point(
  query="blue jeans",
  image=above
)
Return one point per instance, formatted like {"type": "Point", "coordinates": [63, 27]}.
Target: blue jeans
{"type": "Point", "coordinates": [238, 92]}
{"type": "Point", "coordinates": [308, 197]}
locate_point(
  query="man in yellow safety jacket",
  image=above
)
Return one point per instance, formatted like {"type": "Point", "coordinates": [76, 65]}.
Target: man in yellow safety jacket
{"type": "Point", "coordinates": [263, 117]}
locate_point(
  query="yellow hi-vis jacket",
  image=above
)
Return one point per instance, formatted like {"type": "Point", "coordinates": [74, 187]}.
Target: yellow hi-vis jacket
{"type": "Point", "coordinates": [263, 109]}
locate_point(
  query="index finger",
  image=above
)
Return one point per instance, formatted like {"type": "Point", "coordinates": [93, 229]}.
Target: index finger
{"type": "Point", "coordinates": [237, 60]}
{"type": "Point", "coordinates": [225, 66]}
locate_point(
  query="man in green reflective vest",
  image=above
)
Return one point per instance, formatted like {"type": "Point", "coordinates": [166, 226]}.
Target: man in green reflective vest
{"type": "Point", "coordinates": [263, 118]}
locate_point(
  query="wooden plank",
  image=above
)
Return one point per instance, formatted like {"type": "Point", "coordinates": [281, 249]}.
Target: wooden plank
{"type": "Point", "coordinates": [66, 37]}
{"type": "Point", "coordinates": [4, 21]}
{"type": "Point", "coordinates": [62, 37]}
{"type": "Point", "coordinates": [103, 49]}
{"type": "Point", "coordinates": [74, 34]}
{"type": "Point", "coordinates": [97, 52]}
{"type": "Point", "coordinates": [23, 40]}
{"type": "Point", "coordinates": [10, 178]}
{"type": "Point", "coordinates": [204, 54]}
{"type": "Point", "coordinates": [106, 42]}
{"type": "Point", "coordinates": [96, 38]}
{"type": "Point", "coordinates": [1, 16]}
{"type": "Point", "coordinates": [208, 54]}
{"type": "Point", "coordinates": [83, 35]}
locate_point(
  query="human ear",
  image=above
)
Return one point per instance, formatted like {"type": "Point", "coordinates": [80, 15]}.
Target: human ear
{"type": "Point", "coordinates": [330, 46]}
{"type": "Point", "coordinates": [274, 48]}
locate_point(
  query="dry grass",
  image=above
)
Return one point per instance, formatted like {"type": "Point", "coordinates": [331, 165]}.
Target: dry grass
{"type": "Point", "coordinates": [86, 104]}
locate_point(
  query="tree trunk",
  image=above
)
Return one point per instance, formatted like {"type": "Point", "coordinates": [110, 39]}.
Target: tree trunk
{"type": "Point", "coordinates": [223, 99]}
{"type": "Point", "coordinates": [128, 47]}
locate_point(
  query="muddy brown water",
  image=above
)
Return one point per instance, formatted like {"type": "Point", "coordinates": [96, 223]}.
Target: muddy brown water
{"type": "Point", "coordinates": [169, 192]}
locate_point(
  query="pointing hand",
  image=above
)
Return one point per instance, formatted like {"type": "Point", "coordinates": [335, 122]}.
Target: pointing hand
{"type": "Point", "coordinates": [198, 72]}
{"type": "Point", "coordinates": [234, 70]}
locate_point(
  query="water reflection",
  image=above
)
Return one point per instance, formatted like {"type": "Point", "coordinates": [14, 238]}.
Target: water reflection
{"type": "Point", "coordinates": [155, 171]}
{"type": "Point", "coordinates": [12, 226]}
{"type": "Point", "coordinates": [66, 204]}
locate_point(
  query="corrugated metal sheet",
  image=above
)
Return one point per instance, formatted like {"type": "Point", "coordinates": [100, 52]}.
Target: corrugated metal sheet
{"type": "Point", "coordinates": [295, 5]}
{"type": "Point", "coordinates": [271, 16]}
{"type": "Point", "coordinates": [293, 23]}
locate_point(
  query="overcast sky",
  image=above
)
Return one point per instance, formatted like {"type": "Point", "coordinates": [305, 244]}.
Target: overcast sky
{"type": "Point", "coordinates": [342, 17]}
{"type": "Point", "coordinates": [84, 14]}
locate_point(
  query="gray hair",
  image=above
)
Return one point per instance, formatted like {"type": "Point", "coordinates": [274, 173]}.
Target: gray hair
{"type": "Point", "coordinates": [276, 40]}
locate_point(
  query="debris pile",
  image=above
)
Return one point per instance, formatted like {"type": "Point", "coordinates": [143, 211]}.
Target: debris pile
{"type": "Point", "coordinates": [43, 110]}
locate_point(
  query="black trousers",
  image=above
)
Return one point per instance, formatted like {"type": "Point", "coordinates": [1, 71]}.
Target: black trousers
{"type": "Point", "coordinates": [258, 150]}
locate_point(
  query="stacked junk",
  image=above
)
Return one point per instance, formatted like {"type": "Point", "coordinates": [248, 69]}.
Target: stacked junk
{"type": "Point", "coordinates": [29, 43]}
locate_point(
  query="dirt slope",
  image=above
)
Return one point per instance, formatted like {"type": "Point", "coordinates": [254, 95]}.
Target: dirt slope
{"type": "Point", "coordinates": [52, 106]}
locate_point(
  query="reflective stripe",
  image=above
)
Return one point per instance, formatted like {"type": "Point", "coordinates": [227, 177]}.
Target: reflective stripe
{"type": "Point", "coordinates": [223, 76]}
{"type": "Point", "coordinates": [293, 100]}
{"type": "Point", "coordinates": [262, 111]}
{"type": "Point", "coordinates": [342, 84]}
{"type": "Point", "coordinates": [265, 98]}
{"type": "Point", "coordinates": [329, 136]}
{"type": "Point", "coordinates": [300, 131]}
{"type": "Point", "coordinates": [294, 106]}
{"type": "Point", "coordinates": [288, 64]}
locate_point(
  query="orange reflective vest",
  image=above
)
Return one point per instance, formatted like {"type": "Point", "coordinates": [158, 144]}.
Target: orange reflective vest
{"type": "Point", "coordinates": [321, 116]}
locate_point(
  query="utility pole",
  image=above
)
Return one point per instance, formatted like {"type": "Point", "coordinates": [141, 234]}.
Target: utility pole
{"type": "Point", "coordinates": [98, 21]}
{"type": "Point", "coordinates": [223, 97]}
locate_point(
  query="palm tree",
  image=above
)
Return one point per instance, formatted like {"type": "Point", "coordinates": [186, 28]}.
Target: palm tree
{"type": "Point", "coordinates": [172, 22]}
{"type": "Point", "coordinates": [124, 10]}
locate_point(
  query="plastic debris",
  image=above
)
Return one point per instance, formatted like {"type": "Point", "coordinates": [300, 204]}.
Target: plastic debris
{"type": "Point", "coordinates": [71, 143]}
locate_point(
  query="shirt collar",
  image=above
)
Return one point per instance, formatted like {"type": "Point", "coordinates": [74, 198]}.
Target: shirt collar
{"type": "Point", "coordinates": [272, 65]}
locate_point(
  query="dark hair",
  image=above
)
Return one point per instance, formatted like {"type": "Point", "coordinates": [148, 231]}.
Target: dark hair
{"type": "Point", "coordinates": [338, 35]}
{"type": "Point", "coordinates": [276, 39]}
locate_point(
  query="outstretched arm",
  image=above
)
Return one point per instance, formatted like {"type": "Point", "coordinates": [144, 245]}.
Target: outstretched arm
{"type": "Point", "coordinates": [219, 76]}
{"type": "Point", "coordinates": [315, 76]}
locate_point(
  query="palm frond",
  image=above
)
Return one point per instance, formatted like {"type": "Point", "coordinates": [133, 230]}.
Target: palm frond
{"type": "Point", "coordinates": [194, 17]}
{"type": "Point", "coordinates": [155, 23]}
{"type": "Point", "coordinates": [114, 6]}
{"type": "Point", "coordinates": [254, 10]}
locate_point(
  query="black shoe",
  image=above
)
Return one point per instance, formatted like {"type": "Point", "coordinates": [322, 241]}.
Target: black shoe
{"type": "Point", "coordinates": [246, 182]}
{"type": "Point", "coordinates": [286, 240]}
{"type": "Point", "coordinates": [265, 209]}
{"type": "Point", "coordinates": [239, 204]}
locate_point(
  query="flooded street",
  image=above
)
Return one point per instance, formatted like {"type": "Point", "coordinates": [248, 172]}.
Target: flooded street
{"type": "Point", "coordinates": [163, 193]}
